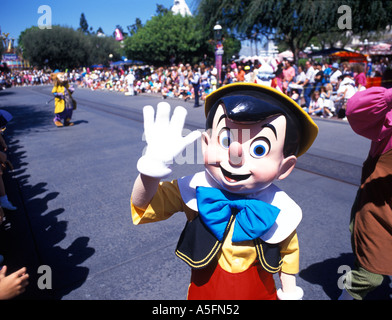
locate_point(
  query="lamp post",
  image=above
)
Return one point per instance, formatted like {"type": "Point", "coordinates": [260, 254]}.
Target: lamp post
{"type": "Point", "coordinates": [218, 50]}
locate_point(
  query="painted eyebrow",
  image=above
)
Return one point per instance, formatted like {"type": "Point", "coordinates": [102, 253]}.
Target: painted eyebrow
{"type": "Point", "coordinates": [221, 117]}
{"type": "Point", "coordinates": [268, 125]}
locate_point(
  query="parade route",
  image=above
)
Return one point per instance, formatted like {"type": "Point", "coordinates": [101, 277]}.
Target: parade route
{"type": "Point", "coordinates": [72, 187]}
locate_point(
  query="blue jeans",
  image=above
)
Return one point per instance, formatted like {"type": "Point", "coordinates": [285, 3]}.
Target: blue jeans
{"type": "Point", "coordinates": [196, 88]}
{"type": "Point", "coordinates": [308, 90]}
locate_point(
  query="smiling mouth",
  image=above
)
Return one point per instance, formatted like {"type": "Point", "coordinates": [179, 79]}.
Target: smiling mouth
{"type": "Point", "coordinates": [230, 177]}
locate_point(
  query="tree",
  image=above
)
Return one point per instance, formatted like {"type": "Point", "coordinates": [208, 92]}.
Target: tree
{"type": "Point", "coordinates": [165, 36]}
{"type": "Point", "coordinates": [83, 24]}
{"type": "Point", "coordinates": [133, 29]}
{"type": "Point", "coordinates": [161, 10]}
{"type": "Point", "coordinates": [62, 48]}
{"type": "Point", "coordinates": [296, 22]}
{"type": "Point", "coordinates": [101, 48]}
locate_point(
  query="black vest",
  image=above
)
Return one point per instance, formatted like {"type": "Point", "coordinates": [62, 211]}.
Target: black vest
{"type": "Point", "coordinates": [198, 246]}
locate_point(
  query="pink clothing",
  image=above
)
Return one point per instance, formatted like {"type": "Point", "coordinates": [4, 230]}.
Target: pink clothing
{"type": "Point", "coordinates": [289, 73]}
{"type": "Point", "coordinates": [360, 79]}
{"type": "Point", "coordinates": [369, 113]}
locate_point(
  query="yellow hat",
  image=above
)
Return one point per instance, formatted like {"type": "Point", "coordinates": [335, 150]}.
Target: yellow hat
{"type": "Point", "coordinates": [308, 129]}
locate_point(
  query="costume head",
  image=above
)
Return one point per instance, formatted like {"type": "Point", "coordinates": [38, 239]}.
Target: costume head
{"type": "Point", "coordinates": [248, 102]}
{"type": "Point", "coordinates": [254, 136]}
{"type": "Point", "coordinates": [59, 78]}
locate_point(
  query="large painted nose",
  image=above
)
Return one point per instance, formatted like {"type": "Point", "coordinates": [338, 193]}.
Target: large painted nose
{"type": "Point", "coordinates": [236, 157]}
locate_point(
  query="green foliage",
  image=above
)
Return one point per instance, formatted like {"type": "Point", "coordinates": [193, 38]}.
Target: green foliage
{"type": "Point", "coordinates": [296, 22]}
{"type": "Point", "coordinates": [83, 24]}
{"type": "Point", "coordinates": [164, 37]}
{"type": "Point", "coordinates": [62, 47]}
{"type": "Point", "coordinates": [101, 48]}
{"type": "Point", "coordinates": [135, 27]}
{"type": "Point", "coordinates": [167, 36]}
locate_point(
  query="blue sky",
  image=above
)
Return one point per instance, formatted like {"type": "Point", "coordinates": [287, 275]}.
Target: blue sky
{"type": "Point", "coordinates": [17, 15]}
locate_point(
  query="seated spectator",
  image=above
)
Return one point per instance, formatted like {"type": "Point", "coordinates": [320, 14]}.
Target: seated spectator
{"type": "Point", "coordinates": [359, 76]}
{"type": "Point", "coordinates": [318, 77]}
{"type": "Point", "coordinates": [345, 91]}
{"type": "Point", "coordinates": [185, 93]}
{"type": "Point", "coordinates": [288, 74]}
{"type": "Point", "coordinates": [298, 81]}
{"type": "Point", "coordinates": [335, 74]}
{"type": "Point", "coordinates": [316, 106]}
{"type": "Point", "coordinates": [295, 95]}
{"type": "Point", "coordinates": [241, 74]}
{"type": "Point", "coordinates": [326, 95]}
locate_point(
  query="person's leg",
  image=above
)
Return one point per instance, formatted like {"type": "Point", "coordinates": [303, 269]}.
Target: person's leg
{"type": "Point", "coordinates": [57, 120]}
{"type": "Point", "coordinates": [308, 94]}
{"type": "Point", "coordinates": [196, 89]}
{"type": "Point", "coordinates": [359, 282]}
{"type": "Point", "coordinates": [68, 117]}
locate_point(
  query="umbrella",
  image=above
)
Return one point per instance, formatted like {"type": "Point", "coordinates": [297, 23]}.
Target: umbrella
{"type": "Point", "coordinates": [350, 55]}
{"type": "Point", "coordinates": [286, 54]}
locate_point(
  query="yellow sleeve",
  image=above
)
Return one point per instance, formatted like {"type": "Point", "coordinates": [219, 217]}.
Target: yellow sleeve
{"type": "Point", "coordinates": [289, 250]}
{"type": "Point", "coordinates": [163, 205]}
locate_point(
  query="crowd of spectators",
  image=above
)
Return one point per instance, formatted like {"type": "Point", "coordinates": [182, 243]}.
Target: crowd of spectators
{"type": "Point", "coordinates": [322, 89]}
{"type": "Point", "coordinates": [23, 78]}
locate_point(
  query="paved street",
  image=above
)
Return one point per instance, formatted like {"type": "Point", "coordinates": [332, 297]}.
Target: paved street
{"type": "Point", "coordinates": [72, 187]}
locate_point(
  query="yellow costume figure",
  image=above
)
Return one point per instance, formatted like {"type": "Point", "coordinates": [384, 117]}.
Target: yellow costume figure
{"type": "Point", "coordinates": [64, 104]}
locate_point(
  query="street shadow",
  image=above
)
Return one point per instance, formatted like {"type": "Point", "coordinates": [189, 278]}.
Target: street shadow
{"type": "Point", "coordinates": [328, 274]}
{"type": "Point", "coordinates": [32, 235]}
{"type": "Point", "coordinates": [6, 93]}
{"type": "Point", "coordinates": [79, 122]}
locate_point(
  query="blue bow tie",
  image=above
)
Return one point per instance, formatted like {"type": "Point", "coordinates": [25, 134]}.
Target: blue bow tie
{"type": "Point", "coordinates": [253, 217]}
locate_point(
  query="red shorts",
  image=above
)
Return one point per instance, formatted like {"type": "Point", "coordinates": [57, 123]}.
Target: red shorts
{"type": "Point", "coordinates": [214, 283]}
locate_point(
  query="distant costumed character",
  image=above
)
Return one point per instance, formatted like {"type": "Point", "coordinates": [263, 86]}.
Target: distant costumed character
{"type": "Point", "coordinates": [64, 104]}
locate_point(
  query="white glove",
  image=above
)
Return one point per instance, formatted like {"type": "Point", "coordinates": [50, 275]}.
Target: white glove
{"type": "Point", "coordinates": [164, 139]}
{"type": "Point", "coordinates": [295, 295]}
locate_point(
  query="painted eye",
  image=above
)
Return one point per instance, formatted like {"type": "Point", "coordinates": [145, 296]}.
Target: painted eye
{"type": "Point", "coordinates": [225, 138]}
{"type": "Point", "coordinates": [259, 148]}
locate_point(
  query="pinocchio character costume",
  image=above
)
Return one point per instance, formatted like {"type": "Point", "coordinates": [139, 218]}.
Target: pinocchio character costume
{"type": "Point", "coordinates": [64, 104]}
{"type": "Point", "coordinates": [241, 228]}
